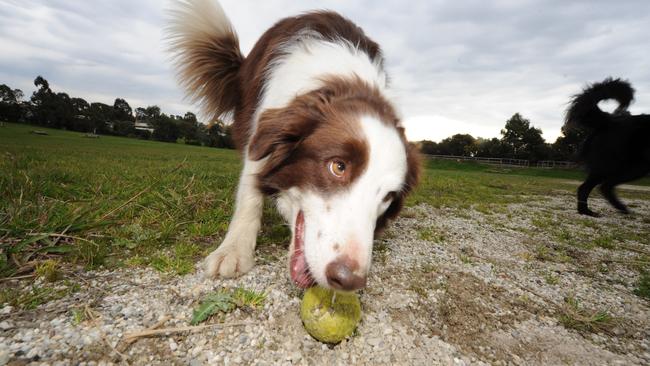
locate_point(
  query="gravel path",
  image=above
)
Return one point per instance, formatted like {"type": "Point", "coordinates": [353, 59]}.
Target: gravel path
{"type": "Point", "coordinates": [448, 287]}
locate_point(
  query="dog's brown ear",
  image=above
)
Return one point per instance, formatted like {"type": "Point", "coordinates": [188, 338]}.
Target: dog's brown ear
{"type": "Point", "coordinates": [279, 131]}
{"type": "Point", "coordinates": [414, 164]}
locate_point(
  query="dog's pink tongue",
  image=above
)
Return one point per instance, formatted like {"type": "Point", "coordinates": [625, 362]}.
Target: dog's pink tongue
{"type": "Point", "coordinates": [298, 265]}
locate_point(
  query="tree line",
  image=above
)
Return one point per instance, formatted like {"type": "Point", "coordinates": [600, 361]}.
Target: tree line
{"type": "Point", "coordinates": [519, 140]}
{"type": "Point", "coordinates": [48, 108]}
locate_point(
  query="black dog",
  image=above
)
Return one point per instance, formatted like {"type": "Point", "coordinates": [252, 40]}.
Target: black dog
{"type": "Point", "coordinates": [617, 146]}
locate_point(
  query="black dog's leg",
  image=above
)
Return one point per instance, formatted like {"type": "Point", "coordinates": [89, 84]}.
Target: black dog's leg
{"type": "Point", "coordinates": [632, 172]}
{"type": "Point", "coordinates": [607, 189]}
{"type": "Point", "coordinates": [583, 195]}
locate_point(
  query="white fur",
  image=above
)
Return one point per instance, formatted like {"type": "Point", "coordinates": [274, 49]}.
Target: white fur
{"type": "Point", "coordinates": [235, 255]}
{"type": "Point", "coordinates": [308, 60]}
{"type": "Point", "coordinates": [350, 220]}
{"type": "Point", "coordinates": [196, 19]}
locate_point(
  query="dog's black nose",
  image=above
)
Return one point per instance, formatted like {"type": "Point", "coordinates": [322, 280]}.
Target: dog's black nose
{"type": "Point", "coordinates": [340, 275]}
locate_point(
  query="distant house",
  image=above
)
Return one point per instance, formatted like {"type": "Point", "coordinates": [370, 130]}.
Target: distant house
{"type": "Point", "coordinates": [143, 126]}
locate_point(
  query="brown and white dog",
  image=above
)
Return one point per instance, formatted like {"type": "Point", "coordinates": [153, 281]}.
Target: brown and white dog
{"type": "Point", "coordinates": [316, 132]}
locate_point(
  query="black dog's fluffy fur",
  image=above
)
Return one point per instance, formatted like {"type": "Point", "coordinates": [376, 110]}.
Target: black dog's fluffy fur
{"type": "Point", "coordinates": [617, 147]}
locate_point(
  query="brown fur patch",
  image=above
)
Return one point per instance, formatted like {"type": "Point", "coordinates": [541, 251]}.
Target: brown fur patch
{"type": "Point", "coordinates": [300, 139]}
{"type": "Point", "coordinates": [208, 66]}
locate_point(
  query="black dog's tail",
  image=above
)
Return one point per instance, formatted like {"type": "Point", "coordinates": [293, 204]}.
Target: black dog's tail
{"type": "Point", "coordinates": [583, 110]}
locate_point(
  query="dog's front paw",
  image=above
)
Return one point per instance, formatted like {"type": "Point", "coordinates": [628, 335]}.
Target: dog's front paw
{"type": "Point", "coordinates": [228, 261]}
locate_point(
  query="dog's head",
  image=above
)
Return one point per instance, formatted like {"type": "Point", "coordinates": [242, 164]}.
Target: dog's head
{"type": "Point", "coordinates": [340, 166]}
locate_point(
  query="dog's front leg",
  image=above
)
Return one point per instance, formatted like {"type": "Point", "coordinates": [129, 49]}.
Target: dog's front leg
{"type": "Point", "coordinates": [235, 255]}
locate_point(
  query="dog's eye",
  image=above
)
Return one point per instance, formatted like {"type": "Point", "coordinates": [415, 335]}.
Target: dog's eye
{"type": "Point", "coordinates": [337, 168]}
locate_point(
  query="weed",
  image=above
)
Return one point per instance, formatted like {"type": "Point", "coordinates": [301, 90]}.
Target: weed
{"type": "Point", "coordinates": [36, 295]}
{"type": "Point", "coordinates": [643, 286]}
{"type": "Point", "coordinates": [548, 254]}
{"type": "Point", "coordinates": [49, 270]}
{"type": "Point", "coordinates": [225, 301]}
{"type": "Point", "coordinates": [604, 241]}
{"type": "Point", "coordinates": [431, 234]}
{"type": "Point", "coordinates": [465, 258]}
{"type": "Point", "coordinates": [551, 279]}
{"type": "Point", "coordinates": [78, 316]}
{"type": "Point", "coordinates": [244, 297]}
{"type": "Point", "coordinates": [420, 290]}
{"type": "Point", "coordinates": [584, 320]}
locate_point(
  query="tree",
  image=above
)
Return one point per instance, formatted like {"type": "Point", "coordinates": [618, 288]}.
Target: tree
{"type": "Point", "coordinates": [567, 146]}
{"type": "Point", "coordinates": [149, 113]}
{"type": "Point", "coordinates": [190, 129]}
{"type": "Point", "coordinates": [458, 145]}
{"type": "Point", "coordinates": [522, 140]}
{"type": "Point", "coordinates": [100, 116]}
{"type": "Point", "coordinates": [10, 96]}
{"type": "Point", "coordinates": [43, 103]}
{"type": "Point", "coordinates": [10, 104]}
{"type": "Point", "coordinates": [63, 111]}
{"type": "Point", "coordinates": [429, 147]}
{"type": "Point", "coordinates": [165, 128]}
{"type": "Point", "coordinates": [122, 110]}
{"type": "Point", "coordinates": [219, 135]}
{"type": "Point", "coordinates": [80, 118]}
{"type": "Point", "coordinates": [491, 148]}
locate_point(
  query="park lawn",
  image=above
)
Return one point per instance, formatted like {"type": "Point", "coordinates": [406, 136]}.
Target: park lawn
{"type": "Point", "coordinates": [113, 202]}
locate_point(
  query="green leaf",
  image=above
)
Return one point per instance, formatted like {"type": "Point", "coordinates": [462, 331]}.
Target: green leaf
{"type": "Point", "coordinates": [213, 303]}
{"type": "Point", "coordinates": [23, 244]}
{"type": "Point", "coordinates": [204, 311]}
{"type": "Point", "coordinates": [61, 249]}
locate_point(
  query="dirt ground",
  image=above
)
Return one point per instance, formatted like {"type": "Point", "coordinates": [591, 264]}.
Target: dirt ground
{"type": "Point", "coordinates": [522, 284]}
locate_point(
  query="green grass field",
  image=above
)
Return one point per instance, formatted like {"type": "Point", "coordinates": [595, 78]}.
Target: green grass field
{"type": "Point", "coordinates": [125, 202]}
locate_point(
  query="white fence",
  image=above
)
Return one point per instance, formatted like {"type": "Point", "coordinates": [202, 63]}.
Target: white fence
{"type": "Point", "coordinates": [507, 162]}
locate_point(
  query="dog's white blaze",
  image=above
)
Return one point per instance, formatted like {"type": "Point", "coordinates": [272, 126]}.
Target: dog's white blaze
{"type": "Point", "coordinates": [307, 62]}
{"type": "Point", "coordinates": [346, 220]}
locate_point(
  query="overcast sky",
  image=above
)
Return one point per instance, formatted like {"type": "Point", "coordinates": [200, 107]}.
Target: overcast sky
{"type": "Point", "coordinates": [456, 66]}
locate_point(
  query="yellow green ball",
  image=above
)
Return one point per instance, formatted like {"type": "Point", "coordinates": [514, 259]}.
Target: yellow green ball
{"type": "Point", "coordinates": [330, 316]}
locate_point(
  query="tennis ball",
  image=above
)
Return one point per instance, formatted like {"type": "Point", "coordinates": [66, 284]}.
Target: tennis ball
{"type": "Point", "coordinates": [330, 316]}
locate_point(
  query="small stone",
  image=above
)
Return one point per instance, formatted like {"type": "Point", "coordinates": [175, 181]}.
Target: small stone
{"type": "Point", "coordinates": [295, 356]}
{"type": "Point", "coordinates": [248, 356]}
{"type": "Point", "coordinates": [172, 345]}
{"type": "Point", "coordinates": [196, 350]}
{"type": "Point", "coordinates": [5, 325]}
{"type": "Point", "coordinates": [374, 341]}
{"type": "Point", "coordinates": [4, 357]}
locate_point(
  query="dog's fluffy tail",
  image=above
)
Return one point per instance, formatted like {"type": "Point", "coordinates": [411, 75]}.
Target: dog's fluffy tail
{"type": "Point", "coordinates": [205, 50]}
{"type": "Point", "coordinates": [583, 110]}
